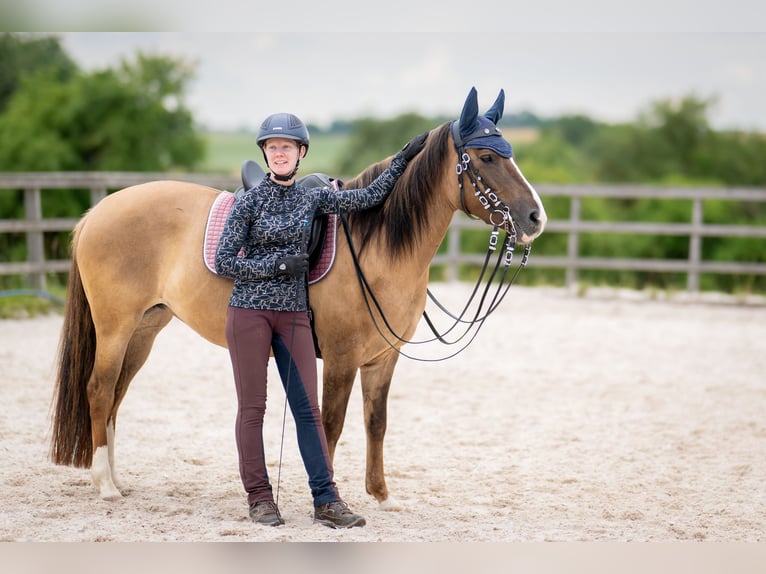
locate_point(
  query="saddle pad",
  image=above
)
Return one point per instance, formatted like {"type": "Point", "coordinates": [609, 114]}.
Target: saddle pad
{"type": "Point", "coordinates": [329, 248]}
{"type": "Point", "coordinates": [216, 220]}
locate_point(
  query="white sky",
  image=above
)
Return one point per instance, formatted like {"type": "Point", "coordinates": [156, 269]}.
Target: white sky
{"type": "Point", "coordinates": [592, 61]}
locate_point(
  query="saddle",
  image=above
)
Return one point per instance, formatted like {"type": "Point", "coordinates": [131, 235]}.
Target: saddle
{"type": "Point", "coordinates": [322, 240]}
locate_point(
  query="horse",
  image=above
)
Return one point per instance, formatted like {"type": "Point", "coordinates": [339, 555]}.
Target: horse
{"type": "Point", "coordinates": [136, 262]}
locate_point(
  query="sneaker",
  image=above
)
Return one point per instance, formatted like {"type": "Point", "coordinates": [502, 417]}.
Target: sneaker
{"type": "Point", "coordinates": [265, 512]}
{"type": "Point", "coordinates": [337, 515]}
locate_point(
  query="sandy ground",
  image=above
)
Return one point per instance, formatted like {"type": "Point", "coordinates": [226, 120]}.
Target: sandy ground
{"type": "Point", "coordinates": [605, 418]}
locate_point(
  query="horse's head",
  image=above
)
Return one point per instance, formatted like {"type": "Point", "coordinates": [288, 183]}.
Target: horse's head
{"type": "Point", "coordinates": [492, 187]}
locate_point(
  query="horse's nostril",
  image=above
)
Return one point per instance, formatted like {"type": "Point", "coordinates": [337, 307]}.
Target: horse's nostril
{"type": "Point", "coordinates": [537, 218]}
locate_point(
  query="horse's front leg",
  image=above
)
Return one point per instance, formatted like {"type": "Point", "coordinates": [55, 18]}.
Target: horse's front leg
{"type": "Point", "coordinates": [376, 381]}
{"type": "Point", "coordinates": [337, 382]}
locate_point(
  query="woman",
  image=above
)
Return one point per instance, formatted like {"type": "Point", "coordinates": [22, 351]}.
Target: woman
{"type": "Point", "coordinates": [268, 310]}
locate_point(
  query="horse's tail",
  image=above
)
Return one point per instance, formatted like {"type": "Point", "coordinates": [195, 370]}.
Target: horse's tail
{"type": "Point", "coordinates": [71, 442]}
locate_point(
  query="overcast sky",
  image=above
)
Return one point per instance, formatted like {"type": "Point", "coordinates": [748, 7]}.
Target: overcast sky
{"type": "Point", "coordinates": [608, 75]}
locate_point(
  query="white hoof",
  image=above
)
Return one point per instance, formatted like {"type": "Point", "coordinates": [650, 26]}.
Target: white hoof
{"type": "Point", "coordinates": [101, 475]}
{"type": "Point", "coordinates": [390, 504]}
{"type": "Point", "coordinates": [109, 494]}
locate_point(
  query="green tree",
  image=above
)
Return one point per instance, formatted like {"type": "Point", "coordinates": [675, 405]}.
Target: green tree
{"type": "Point", "coordinates": [735, 158]}
{"type": "Point", "coordinates": [575, 130]}
{"type": "Point", "coordinates": [371, 140]}
{"type": "Point", "coordinates": [683, 128]}
{"type": "Point", "coordinates": [672, 140]}
{"type": "Point", "coordinates": [129, 118]}
{"type": "Point", "coordinates": [26, 54]}
{"type": "Point", "coordinates": [553, 159]}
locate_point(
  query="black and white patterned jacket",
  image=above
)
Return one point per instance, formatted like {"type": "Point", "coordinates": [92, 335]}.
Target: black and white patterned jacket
{"type": "Point", "coordinates": [271, 221]}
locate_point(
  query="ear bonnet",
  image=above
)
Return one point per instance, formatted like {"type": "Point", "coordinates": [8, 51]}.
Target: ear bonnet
{"type": "Point", "coordinates": [475, 131]}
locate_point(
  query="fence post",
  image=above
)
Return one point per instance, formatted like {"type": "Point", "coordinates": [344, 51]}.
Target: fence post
{"type": "Point", "coordinates": [35, 251]}
{"type": "Point", "coordinates": [97, 194]}
{"type": "Point", "coordinates": [453, 250]}
{"type": "Point", "coordinates": [695, 247]}
{"type": "Point", "coordinates": [573, 243]}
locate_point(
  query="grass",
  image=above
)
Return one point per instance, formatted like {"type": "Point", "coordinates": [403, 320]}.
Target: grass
{"type": "Point", "coordinates": [227, 151]}
{"type": "Point", "coordinates": [26, 303]}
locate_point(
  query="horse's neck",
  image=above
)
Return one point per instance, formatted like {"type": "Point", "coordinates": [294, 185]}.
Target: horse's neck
{"type": "Point", "coordinates": [438, 230]}
{"type": "Point", "coordinates": [439, 223]}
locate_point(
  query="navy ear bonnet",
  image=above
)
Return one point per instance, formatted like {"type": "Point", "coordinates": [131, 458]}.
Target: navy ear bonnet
{"type": "Point", "coordinates": [475, 131]}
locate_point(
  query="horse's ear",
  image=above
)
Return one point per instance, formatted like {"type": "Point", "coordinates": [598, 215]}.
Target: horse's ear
{"type": "Point", "coordinates": [470, 114]}
{"type": "Point", "coordinates": [496, 111]}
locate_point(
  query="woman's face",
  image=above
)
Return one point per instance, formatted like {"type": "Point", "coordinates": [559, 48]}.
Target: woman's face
{"type": "Point", "coordinates": [282, 154]}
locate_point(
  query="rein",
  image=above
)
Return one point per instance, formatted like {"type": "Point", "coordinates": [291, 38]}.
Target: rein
{"type": "Point", "coordinates": [500, 211]}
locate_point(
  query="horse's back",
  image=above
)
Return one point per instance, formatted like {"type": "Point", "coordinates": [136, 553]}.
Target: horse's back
{"type": "Point", "coordinates": [142, 246]}
{"type": "Point", "coordinates": [171, 204]}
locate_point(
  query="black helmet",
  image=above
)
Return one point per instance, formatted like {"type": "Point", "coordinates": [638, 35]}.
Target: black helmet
{"type": "Point", "coordinates": [283, 126]}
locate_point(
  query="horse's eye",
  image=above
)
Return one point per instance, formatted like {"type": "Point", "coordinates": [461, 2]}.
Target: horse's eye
{"type": "Point", "coordinates": [486, 158]}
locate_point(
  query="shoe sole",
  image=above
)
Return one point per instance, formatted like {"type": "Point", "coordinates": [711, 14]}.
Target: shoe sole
{"type": "Point", "coordinates": [271, 521]}
{"type": "Point", "coordinates": [275, 523]}
{"type": "Point", "coordinates": [330, 524]}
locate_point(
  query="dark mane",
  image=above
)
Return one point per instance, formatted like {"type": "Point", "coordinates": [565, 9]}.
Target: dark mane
{"type": "Point", "coordinates": [404, 214]}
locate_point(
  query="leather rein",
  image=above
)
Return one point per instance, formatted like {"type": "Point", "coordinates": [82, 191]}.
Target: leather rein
{"type": "Point", "coordinates": [500, 217]}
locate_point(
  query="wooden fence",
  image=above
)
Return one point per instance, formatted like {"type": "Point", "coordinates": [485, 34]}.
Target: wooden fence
{"type": "Point", "coordinates": [100, 183]}
{"type": "Point", "coordinates": [695, 230]}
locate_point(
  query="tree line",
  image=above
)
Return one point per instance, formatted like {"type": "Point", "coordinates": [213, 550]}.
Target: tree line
{"type": "Point", "coordinates": [133, 117]}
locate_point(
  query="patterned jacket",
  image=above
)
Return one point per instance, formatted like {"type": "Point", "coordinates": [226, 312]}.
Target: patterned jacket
{"type": "Point", "coordinates": [271, 221]}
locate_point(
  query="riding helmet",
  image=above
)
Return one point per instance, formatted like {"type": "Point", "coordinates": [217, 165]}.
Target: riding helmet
{"type": "Point", "coordinates": [283, 125]}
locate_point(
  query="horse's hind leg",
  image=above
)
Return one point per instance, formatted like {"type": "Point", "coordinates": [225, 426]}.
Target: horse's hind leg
{"type": "Point", "coordinates": [116, 364]}
{"type": "Point", "coordinates": [139, 347]}
{"type": "Point", "coordinates": [110, 353]}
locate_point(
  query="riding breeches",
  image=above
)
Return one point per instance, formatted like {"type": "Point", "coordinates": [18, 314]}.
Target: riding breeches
{"type": "Point", "coordinates": [251, 336]}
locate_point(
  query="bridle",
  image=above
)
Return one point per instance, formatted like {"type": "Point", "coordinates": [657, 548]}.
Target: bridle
{"type": "Point", "coordinates": [488, 198]}
{"type": "Point", "coordinates": [500, 217]}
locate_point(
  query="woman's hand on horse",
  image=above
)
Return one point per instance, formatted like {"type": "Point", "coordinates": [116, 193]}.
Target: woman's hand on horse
{"type": "Point", "coordinates": [414, 146]}
{"type": "Point", "coordinates": [293, 265]}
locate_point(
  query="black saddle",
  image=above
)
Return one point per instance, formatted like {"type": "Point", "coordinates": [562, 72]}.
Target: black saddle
{"type": "Point", "coordinates": [252, 174]}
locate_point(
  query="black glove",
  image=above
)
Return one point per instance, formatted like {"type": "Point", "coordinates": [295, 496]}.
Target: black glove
{"type": "Point", "coordinates": [414, 146]}
{"type": "Point", "coordinates": [293, 265]}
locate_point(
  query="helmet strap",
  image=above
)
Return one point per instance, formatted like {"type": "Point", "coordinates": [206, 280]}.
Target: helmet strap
{"type": "Point", "coordinates": [289, 176]}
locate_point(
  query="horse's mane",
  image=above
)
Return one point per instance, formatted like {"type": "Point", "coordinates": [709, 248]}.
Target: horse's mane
{"type": "Point", "coordinates": [403, 216]}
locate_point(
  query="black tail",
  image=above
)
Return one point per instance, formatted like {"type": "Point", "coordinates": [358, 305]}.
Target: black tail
{"type": "Point", "coordinates": [71, 442]}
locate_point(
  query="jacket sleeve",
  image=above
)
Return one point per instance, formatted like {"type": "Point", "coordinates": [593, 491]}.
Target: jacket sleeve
{"type": "Point", "coordinates": [227, 260]}
{"type": "Point", "coordinates": [359, 199]}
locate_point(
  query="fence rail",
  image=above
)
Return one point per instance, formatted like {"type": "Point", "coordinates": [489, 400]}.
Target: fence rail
{"type": "Point", "coordinates": [100, 183]}
{"type": "Point", "coordinates": [574, 261]}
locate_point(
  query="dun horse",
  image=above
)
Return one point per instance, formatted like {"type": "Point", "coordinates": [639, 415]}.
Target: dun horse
{"type": "Point", "coordinates": [137, 262]}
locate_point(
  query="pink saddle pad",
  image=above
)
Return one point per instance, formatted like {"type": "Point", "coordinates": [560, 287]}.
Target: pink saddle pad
{"type": "Point", "coordinates": [216, 220]}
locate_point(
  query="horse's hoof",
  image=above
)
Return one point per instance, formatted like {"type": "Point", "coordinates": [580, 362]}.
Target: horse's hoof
{"type": "Point", "coordinates": [390, 503]}
{"type": "Point", "coordinates": [110, 494]}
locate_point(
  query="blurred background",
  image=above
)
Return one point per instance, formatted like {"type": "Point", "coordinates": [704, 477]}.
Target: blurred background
{"type": "Point", "coordinates": [660, 96]}
{"type": "Point", "coordinates": [618, 107]}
